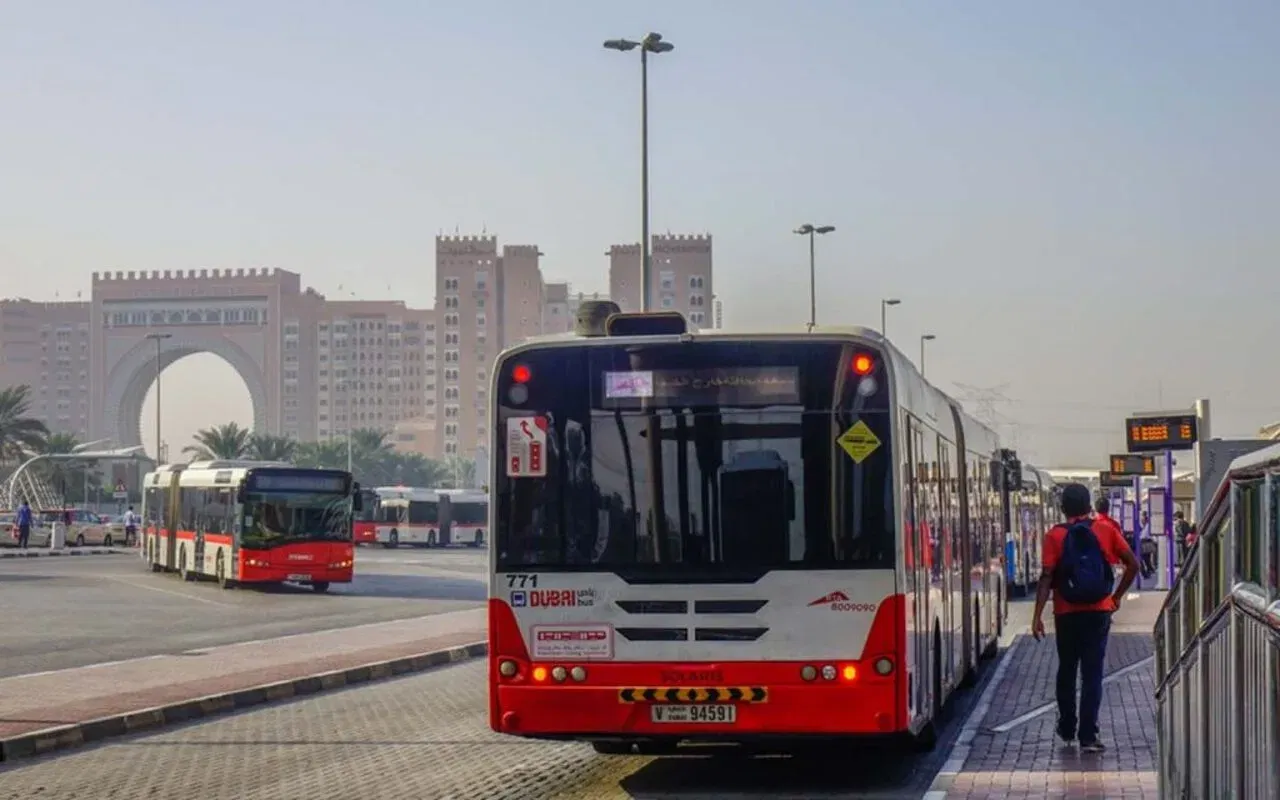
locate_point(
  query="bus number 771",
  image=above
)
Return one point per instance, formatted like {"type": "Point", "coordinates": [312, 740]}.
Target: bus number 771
{"type": "Point", "coordinates": [517, 581]}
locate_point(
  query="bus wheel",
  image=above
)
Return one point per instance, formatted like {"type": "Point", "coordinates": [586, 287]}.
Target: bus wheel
{"type": "Point", "coordinates": [431, 538]}
{"type": "Point", "coordinates": [479, 542]}
{"type": "Point", "coordinates": [220, 569]}
{"type": "Point", "coordinates": [393, 541]}
{"type": "Point", "coordinates": [153, 555]}
{"type": "Point", "coordinates": [927, 738]}
{"type": "Point", "coordinates": [183, 572]}
{"type": "Point", "coordinates": [319, 587]}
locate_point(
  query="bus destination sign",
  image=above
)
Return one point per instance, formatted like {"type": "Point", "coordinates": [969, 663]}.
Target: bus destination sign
{"type": "Point", "coordinates": [1132, 464]}
{"type": "Point", "coordinates": [1149, 434]}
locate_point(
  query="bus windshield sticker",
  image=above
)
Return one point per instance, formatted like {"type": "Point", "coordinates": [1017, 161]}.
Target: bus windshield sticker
{"type": "Point", "coordinates": [527, 447]}
{"type": "Point", "coordinates": [628, 384]}
{"type": "Point", "coordinates": [859, 442]}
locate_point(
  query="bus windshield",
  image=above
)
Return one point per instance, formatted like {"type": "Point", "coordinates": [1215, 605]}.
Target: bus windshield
{"type": "Point", "coordinates": [680, 460]}
{"type": "Point", "coordinates": [275, 518]}
{"type": "Point", "coordinates": [369, 511]}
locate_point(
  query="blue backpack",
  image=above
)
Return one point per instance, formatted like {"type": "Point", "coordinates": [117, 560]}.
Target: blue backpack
{"type": "Point", "coordinates": [1084, 575]}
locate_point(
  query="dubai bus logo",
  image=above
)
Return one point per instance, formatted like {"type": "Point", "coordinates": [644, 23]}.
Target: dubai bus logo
{"type": "Point", "coordinates": [839, 601]}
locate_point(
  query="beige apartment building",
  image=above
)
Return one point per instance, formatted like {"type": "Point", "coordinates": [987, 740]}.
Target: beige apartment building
{"type": "Point", "coordinates": [314, 368]}
{"type": "Point", "coordinates": [680, 277]}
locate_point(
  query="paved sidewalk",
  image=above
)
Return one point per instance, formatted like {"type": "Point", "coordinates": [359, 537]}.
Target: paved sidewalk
{"type": "Point", "coordinates": [44, 552]}
{"type": "Point", "coordinates": [45, 711]}
{"type": "Point", "coordinates": [1009, 748]}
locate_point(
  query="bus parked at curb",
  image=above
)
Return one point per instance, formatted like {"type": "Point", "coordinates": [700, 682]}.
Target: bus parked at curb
{"type": "Point", "coordinates": [243, 522]}
{"type": "Point", "coordinates": [770, 539]}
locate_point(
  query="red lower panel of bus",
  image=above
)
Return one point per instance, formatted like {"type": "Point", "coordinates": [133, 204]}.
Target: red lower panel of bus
{"type": "Point", "coordinates": [364, 532]}
{"type": "Point", "coordinates": [850, 697]}
{"type": "Point", "coordinates": [314, 562]}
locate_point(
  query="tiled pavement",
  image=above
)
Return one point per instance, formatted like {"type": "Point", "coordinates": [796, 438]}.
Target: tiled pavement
{"type": "Point", "coordinates": [1011, 750]}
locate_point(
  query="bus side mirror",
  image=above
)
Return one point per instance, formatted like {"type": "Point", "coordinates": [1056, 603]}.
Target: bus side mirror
{"type": "Point", "coordinates": [241, 494]}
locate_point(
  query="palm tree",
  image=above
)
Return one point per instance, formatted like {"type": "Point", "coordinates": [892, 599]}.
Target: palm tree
{"type": "Point", "coordinates": [269, 447]}
{"type": "Point", "coordinates": [328, 455]}
{"type": "Point", "coordinates": [228, 441]}
{"type": "Point", "coordinates": [20, 434]}
{"type": "Point", "coordinates": [459, 472]}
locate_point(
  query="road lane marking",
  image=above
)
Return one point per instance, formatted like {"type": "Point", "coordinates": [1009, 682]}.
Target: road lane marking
{"type": "Point", "coordinates": [183, 595]}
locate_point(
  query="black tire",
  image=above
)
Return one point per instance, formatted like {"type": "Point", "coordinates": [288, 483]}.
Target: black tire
{"type": "Point", "coordinates": [79, 540]}
{"type": "Point", "coordinates": [612, 748]}
{"type": "Point", "coordinates": [393, 540]}
{"type": "Point", "coordinates": [479, 542]}
{"type": "Point", "coordinates": [319, 587]}
{"type": "Point", "coordinates": [153, 555]}
{"type": "Point", "coordinates": [106, 540]}
{"type": "Point", "coordinates": [220, 569]}
{"type": "Point", "coordinates": [431, 539]}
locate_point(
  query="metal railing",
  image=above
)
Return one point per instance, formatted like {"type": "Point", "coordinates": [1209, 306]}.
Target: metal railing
{"type": "Point", "coordinates": [1218, 676]}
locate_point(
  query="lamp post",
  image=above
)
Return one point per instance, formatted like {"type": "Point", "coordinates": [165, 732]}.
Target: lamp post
{"type": "Point", "coordinates": [158, 337]}
{"type": "Point", "coordinates": [928, 337]}
{"type": "Point", "coordinates": [812, 231]}
{"type": "Point", "coordinates": [884, 316]}
{"type": "Point", "coordinates": [651, 43]}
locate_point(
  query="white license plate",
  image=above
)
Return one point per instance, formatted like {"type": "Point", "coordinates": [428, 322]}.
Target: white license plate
{"type": "Point", "coordinates": [299, 577]}
{"type": "Point", "coordinates": [708, 714]}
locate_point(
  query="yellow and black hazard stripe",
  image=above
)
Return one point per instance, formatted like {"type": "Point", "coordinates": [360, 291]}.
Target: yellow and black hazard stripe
{"type": "Point", "coordinates": [702, 694]}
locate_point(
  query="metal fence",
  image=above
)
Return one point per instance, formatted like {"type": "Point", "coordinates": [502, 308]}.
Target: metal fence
{"type": "Point", "coordinates": [1218, 652]}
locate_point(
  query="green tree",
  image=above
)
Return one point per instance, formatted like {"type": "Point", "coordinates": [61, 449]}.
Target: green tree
{"type": "Point", "coordinates": [459, 472]}
{"type": "Point", "coordinates": [21, 435]}
{"type": "Point", "coordinates": [269, 447]}
{"type": "Point", "coordinates": [229, 441]}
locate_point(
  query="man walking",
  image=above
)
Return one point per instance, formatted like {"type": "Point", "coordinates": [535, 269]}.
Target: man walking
{"type": "Point", "coordinates": [24, 524]}
{"type": "Point", "coordinates": [1078, 557]}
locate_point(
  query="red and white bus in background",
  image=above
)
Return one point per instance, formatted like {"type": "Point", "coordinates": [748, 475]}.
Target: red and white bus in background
{"type": "Point", "coordinates": [431, 517]}
{"type": "Point", "coordinates": [250, 522]}
{"type": "Point", "coordinates": [759, 538]}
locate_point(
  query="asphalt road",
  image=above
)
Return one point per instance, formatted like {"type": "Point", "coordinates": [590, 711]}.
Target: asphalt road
{"type": "Point", "coordinates": [70, 612]}
{"type": "Point", "coordinates": [426, 736]}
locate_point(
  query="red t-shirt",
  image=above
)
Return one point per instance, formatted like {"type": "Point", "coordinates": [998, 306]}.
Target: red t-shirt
{"type": "Point", "coordinates": [1110, 539]}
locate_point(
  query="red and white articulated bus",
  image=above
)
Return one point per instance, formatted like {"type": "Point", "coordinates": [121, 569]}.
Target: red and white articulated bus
{"type": "Point", "coordinates": [250, 522]}
{"type": "Point", "coordinates": [431, 517]}
{"type": "Point", "coordinates": [762, 539]}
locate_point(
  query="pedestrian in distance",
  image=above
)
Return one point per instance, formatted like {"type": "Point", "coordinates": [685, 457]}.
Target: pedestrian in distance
{"type": "Point", "coordinates": [1078, 557]}
{"type": "Point", "coordinates": [24, 525]}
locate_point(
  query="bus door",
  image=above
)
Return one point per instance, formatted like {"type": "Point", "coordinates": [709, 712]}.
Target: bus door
{"type": "Point", "coordinates": [171, 522]}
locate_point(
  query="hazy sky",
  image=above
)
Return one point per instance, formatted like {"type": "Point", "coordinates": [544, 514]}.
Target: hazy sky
{"type": "Point", "coordinates": [1079, 199]}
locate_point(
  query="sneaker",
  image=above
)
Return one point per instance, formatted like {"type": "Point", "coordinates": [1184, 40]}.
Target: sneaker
{"type": "Point", "coordinates": [1067, 735]}
{"type": "Point", "coordinates": [1092, 747]}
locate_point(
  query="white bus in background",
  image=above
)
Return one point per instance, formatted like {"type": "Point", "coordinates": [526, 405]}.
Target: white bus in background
{"type": "Point", "coordinates": [431, 517]}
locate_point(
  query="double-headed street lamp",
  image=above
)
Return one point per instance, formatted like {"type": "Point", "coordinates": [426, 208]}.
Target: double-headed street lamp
{"type": "Point", "coordinates": [812, 231]}
{"type": "Point", "coordinates": [651, 43]}
{"type": "Point", "coordinates": [928, 337]}
{"type": "Point", "coordinates": [158, 337]}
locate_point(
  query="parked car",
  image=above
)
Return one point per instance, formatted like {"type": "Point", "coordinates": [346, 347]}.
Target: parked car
{"type": "Point", "coordinates": [85, 528]}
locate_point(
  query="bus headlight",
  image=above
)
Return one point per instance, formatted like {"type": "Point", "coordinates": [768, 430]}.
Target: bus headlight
{"type": "Point", "coordinates": [558, 674]}
{"type": "Point", "coordinates": [507, 669]}
{"type": "Point", "coordinates": [828, 673]}
{"type": "Point", "coordinates": [808, 672]}
{"type": "Point", "coordinates": [579, 674]}
{"type": "Point", "coordinates": [884, 666]}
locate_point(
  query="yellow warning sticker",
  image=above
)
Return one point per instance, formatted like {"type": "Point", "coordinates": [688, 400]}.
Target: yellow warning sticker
{"type": "Point", "coordinates": [859, 442]}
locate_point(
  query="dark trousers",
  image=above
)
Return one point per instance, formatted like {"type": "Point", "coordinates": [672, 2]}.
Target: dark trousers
{"type": "Point", "coordinates": [1082, 648]}
{"type": "Point", "coordinates": [24, 533]}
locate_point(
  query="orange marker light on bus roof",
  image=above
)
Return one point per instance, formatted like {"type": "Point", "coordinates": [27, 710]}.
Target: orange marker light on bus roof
{"type": "Point", "coordinates": [521, 373]}
{"type": "Point", "coordinates": [863, 364]}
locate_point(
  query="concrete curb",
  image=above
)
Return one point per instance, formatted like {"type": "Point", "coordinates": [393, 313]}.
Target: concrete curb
{"type": "Point", "coordinates": [50, 740]}
{"type": "Point", "coordinates": [46, 553]}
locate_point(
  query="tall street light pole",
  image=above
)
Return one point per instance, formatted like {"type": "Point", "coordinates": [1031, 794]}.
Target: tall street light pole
{"type": "Point", "coordinates": [812, 231]}
{"type": "Point", "coordinates": [884, 316]}
{"type": "Point", "coordinates": [158, 337]}
{"type": "Point", "coordinates": [651, 43]}
{"type": "Point", "coordinates": [928, 337]}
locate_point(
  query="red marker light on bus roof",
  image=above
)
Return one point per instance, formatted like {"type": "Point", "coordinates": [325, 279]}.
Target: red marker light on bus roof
{"type": "Point", "coordinates": [863, 364]}
{"type": "Point", "coordinates": [521, 373]}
